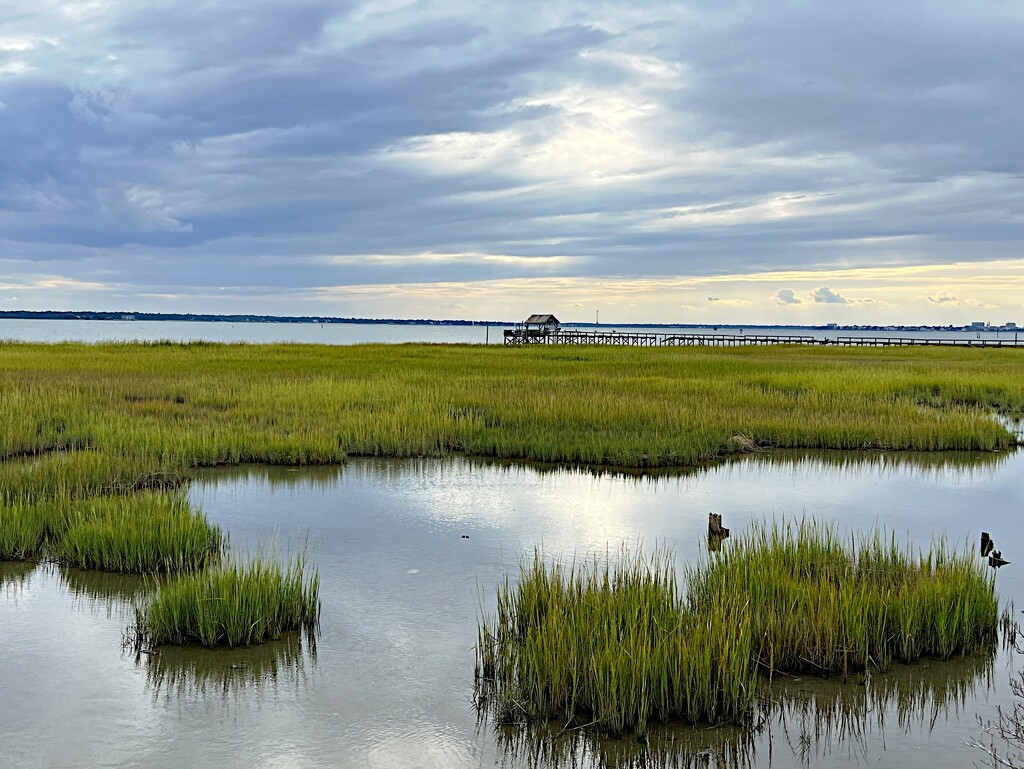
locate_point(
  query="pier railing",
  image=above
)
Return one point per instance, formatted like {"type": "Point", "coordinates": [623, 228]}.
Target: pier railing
{"type": "Point", "coordinates": [520, 336]}
{"type": "Point", "coordinates": [902, 341]}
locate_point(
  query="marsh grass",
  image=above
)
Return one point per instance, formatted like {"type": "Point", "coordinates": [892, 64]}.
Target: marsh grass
{"type": "Point", "coordinates": [617, 646]}
{"type": "Point", "coordinates": [23, 531]}
{"type": "Point", "coordinates": [79, 474]}
{"type": "Point", "coordinates": [168, 408]}
{"type": "Point", "coordinates": [81, 425]}
{"type": "Point", "coordinates": [611, 646]}
{"type": "Point", "coordinates": [237, 603]}
{"type": "Point", "coordinates": [143, 533]}
{"type": "Point", "coordinates": [818, 604]}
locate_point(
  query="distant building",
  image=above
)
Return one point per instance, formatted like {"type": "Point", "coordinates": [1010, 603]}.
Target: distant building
{"type": "Point", "coordinates": [978, 325]}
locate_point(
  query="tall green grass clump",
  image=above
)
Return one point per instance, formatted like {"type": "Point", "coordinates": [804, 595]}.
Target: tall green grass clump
{"type": "Point", "coordinates": [79, 474]}
{"type": "Point", "coordinates": [820, 605]}
{"type": "Point", "coordinates": [142, 533]}
{"type": "Point", "coordinates": [616, 647]}
{"type": "Point", "coordinates": [233, 604]}
{"type": "Point", "coordinates": [23, 531]}
{"type": "Point", "coordinates": [611, 646]}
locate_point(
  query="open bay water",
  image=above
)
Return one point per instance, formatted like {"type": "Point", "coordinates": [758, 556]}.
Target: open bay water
{"type": "Point", "coordinates": [410, 551]}
{"type": "Point", "coordinates": [384, 333]}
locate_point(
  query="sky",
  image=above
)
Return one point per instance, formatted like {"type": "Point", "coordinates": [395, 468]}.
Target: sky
{"type": "Point", "coordinates": [706, 161]}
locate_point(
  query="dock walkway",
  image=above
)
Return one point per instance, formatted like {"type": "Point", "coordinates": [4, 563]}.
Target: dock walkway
{"type": "Point", "coordinates": [520, 336]}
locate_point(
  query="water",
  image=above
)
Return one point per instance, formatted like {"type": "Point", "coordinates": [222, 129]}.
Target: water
{"type": "Point", "coordinates": [390, 682]}
{"type": "Point", "coordinates": [187, 331]}
{"type": "Point", "coordinates": [359, 333]}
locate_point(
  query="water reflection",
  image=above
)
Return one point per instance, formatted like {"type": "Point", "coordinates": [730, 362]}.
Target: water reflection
{"type": "Point", "coordinates": [14, 575]}
{"type": "Point", "coordinates": [411, 552]}
{"type": "Point", "coordinates": [817, 717]}
{"type": "Point", "coordinates": [547, 747]}
{"type": "Point", "coordinates": [319, 478]}
{"type": "Point", "coordinates": [101, 591]}
{"type": "Point", "coordinates": [915, 464]}
{"type": "Point", "coordinates": [1014, 423]}
{"type": "Point", "coordinates": [808, 717]}
{"type": "Point", "coordinates": [190, 672]}
{"type": "Point", "coordinates": [905, 464]}
{"type": "Point", "coordinates": [551, 747]}
{"type": "Point", "coordinates": [912, 464]}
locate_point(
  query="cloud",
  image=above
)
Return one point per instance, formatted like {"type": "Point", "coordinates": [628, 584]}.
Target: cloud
{"type": "Point", "coordinates": [825, 295]}
{"type": "Point", "coordinates": [728, 302]}
{"type": "Point", "coordinates": [403, 260]}
{"type": "Point", "coordinates": [948, 299]}
{"type": "Point", "coordinates": [16, 44]}
{"type": "Point", "coordinates": [15, 68]}
{"type": "Point", "coordinates": [285, 147]}
{"type": "Point", "coordinates": [786, 296]}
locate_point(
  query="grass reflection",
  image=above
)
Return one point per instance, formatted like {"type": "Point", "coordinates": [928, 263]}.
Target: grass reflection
{"type": "Point", "coordinates": [809, 718]}
{"type": "Point", "coordinates": [548, 747]}
{"type": "Point", "coordinates": [912, 464]}
{"type": "Point", "coordinates": [908, 463]}
{"type": "Point", "coordinates": [311, 477]}
{"type": "Point", "coordinates": [102, 591]}
{"type": "Point", "coordinates": [816, 718]}
{"type": "Point", "coordinates": [189, 672]}
{"type": "Point", "coordinates": [15, 575]}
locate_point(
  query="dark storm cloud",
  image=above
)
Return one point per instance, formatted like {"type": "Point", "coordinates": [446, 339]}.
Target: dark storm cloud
{"type": "Point", "coordinates": [233, 34]}
{"type": "Point", "coordinates": [924, 93]}
{"type": "Point", "coordinates": [309, 144]}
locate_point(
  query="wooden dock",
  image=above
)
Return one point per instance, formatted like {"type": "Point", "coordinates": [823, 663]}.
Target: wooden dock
{"type": "Point", "coordinates": [520, 336]}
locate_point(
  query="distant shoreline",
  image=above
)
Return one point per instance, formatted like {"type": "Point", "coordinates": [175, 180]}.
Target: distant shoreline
{"type": "Point", "coordinates": [212, 318]}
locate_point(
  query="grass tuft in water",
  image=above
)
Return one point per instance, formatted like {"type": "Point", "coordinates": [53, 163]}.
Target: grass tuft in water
{"type": "Point", "coordinates": [233, 604]}
{"type": "Point", "coordinates": [617, 646]}
{"type": "Point", "coordinates": [611, 645]}
{"type": "Point", "coordinates": [820, 605]}
{"type": "Point", "coordinates": [140, 534]}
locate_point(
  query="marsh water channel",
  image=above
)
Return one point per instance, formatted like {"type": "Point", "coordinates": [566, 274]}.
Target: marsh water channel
{"type": "Point", "coordinates": [409, 551]}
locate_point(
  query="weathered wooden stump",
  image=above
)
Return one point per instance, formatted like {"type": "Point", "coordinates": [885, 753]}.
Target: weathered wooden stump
{"type": "Point", "coordinates": [987, 543]}
{"type": "Point", "coordinates": [715, 527]}
{"type": "Point", "coordinates": [716, 532]}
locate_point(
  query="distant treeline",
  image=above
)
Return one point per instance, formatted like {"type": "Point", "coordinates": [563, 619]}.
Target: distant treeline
{"type": "Point", "coordinates": [90, 315]}
{"type": "Point", "coordinates": [204, 318]}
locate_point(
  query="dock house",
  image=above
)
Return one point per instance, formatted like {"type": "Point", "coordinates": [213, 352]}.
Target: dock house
{"type": "Point", "coordinates": [542, 325]}
{"type": "Point", "coordinates": [537, 329]}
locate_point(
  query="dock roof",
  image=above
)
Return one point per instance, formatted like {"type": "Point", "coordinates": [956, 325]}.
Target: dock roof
{"type": "Point", "coordinates": [542, 319]}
